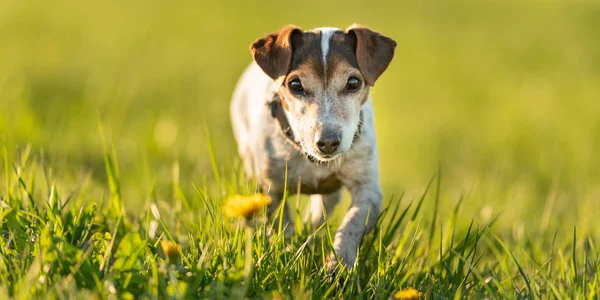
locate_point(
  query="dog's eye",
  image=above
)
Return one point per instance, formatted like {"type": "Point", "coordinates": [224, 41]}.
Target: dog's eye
{"type": "Point", "coordinates": [353, 84]}
{"type": "Point", "coordinates": [296, 86]}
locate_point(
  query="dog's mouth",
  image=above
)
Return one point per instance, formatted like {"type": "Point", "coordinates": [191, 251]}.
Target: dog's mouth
{"type": "Point", "coordinates": [328, 157]}
{"type": "Point", "coordinates": [323, 158]}
{"type": "Point", "coordinates": [316, 157]}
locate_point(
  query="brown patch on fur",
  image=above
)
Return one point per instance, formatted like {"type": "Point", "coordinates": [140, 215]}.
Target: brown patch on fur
{"type": "Point", "coordinates": [340, 54]}
{"type": "Point", "coordinates": [310, 72]}
{"type": "Point", "coordinates": [307, 50]}
{"type": "Point", "coordinates": [365, 96]}
{"type": "Point", "coordinates": [374, 52]}
{"type": "Point", "coordinates": [304, 60]}
{"type": "Point", "coordinates": [284, 100]}
{"type": "Point", "coordinates": [273, 52]}
{"type": "Point", "coordinates": [327, 185]}
{"type": "Point", "coordinates": [290, 49]}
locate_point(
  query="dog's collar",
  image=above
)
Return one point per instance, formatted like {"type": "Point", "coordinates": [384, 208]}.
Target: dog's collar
{"type": "Point", "coordinates": [278, 113]}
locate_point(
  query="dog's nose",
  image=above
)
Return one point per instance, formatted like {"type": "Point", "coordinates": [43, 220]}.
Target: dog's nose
{"type": "Point", "coordinates": [328, 143]}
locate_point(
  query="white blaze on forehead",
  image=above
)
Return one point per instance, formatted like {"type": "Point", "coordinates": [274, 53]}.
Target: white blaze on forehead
{"type": "Point", "coordinates": [326, 34]}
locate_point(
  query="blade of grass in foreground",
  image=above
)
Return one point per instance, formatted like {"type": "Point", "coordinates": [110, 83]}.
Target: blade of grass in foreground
{"type": "Point", "coordinates": [112, 174]}
{"type": "Point", "coordinates": [514, 259]}
{"type": "Point", "coordinates": [574, 258]}
{"type": "Point", "coordinates": [436, 206]}
{"type": "Point", "coordinates": [213, 158]}
{"type": "Point", "coordinates": [6, 172]}
{"type": "Point", "coordinates": [418, 208]}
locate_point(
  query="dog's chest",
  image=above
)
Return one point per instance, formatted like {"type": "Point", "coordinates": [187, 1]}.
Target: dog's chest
{"type": "Point", "coordinates": [310, 178]}
{"type": "Point", "coordinates": [325, 185]}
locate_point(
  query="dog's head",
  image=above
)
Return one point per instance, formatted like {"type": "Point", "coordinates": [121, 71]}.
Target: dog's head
{"type": "Point", "coordinates": [324, 77]}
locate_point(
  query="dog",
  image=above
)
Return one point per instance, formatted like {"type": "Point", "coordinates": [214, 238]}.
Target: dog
{"type": "Point", "coordinates": [302, 112]}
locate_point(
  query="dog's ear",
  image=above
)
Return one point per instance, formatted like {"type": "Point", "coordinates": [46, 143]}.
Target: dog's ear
{"type": "Point", "coordinates": [374, 52]}
{"type": "Point", "coordinates": [273, 52]}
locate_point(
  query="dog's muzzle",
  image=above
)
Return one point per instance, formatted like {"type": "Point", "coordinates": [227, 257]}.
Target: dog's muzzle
{"type": "Point", "coordinates": [326, 143]}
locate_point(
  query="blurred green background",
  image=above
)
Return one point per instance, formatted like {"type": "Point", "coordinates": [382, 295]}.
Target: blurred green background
{"type": "Point", "coordinates": [504, 96]}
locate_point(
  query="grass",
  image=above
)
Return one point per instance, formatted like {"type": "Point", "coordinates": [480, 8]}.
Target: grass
{"type": "Point", "coordinates": [62, 246]}
{"type": "Point", "coordinates": [488, 135]}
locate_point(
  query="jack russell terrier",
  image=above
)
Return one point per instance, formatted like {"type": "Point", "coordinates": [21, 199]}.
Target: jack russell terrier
{"type": "Point", "coordinates": [303, 107]}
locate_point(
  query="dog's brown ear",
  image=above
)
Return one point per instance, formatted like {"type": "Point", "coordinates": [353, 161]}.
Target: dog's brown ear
{"type": "Point", "coordinates": [374, 52]}
{"type": "Point", "coordinates": [273, 52]}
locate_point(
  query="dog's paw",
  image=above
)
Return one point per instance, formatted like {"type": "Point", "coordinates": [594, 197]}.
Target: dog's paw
{"type": "Point", "coordinates": [333, 271]}
{"type": "Point", "coordinates": [339, 272]}
{"type": "Point", "coordinates": [337, 263]}
{"type": "Point", "coordinates": [342, 258]}
{"type": "Point", "coordinates": [331, 264]}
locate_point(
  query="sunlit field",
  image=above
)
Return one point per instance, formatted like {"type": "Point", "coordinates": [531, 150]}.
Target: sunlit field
{"type": "Point", "coordinates": [117, 155]}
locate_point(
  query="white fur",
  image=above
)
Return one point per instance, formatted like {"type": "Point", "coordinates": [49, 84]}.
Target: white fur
{"type": "Point", "coordinates": [356, 168]}
{"type": "Point", "coordinates": [326, 34]}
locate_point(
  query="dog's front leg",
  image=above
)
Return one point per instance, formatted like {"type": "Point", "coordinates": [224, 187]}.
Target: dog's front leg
{"type": "Point", "coordinates": [321, 205]}
{"type": "Point", "coordinates": [359, 220]}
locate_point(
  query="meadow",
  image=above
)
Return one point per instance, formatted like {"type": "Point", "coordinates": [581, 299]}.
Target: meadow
{"type": "Point", "coordinates": [116, 152]}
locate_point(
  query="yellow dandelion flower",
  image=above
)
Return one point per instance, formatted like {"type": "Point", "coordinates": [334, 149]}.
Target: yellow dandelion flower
{"type": "Point", "coordinates": [408, 294]}
{"type": "Point", "coordinates": [245, 206]}
{"type": "Point", "coordinates": [171, 249]}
